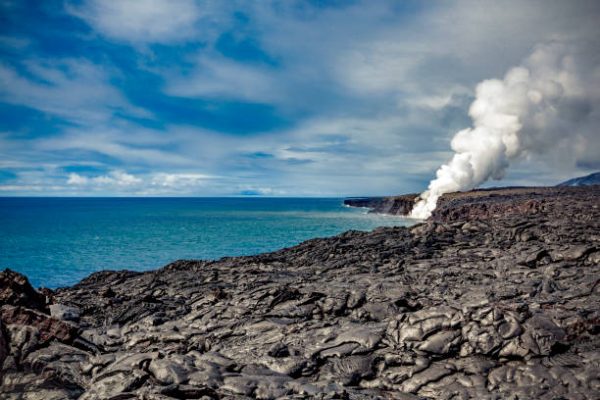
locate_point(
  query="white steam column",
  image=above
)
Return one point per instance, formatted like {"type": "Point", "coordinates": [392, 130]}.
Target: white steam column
{"type": "Point", "coordinates": [549, 105]}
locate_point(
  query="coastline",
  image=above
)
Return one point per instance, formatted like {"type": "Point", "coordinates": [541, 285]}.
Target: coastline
{"type": "Point", "coordinates": [496, 284]}
{"type": "Point", "coordinates": [58, 242]}
{"type": "Point", "coordinates": [478, 203]}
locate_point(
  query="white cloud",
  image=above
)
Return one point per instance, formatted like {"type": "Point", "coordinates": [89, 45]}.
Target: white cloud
{"type": "Point", "coordinates": [115, 178]}
{"type": "Point", "coordinates": [159, 183]}
{"type": "Point", "coordinates": [216, 76]}
{"type": "Point", "coordinates": [454, 44]}
{"type": "Point", "coordinates": [124, 142]}
{"type": "Point", "coordinates": [179, 180]}
{"type": "Point", "coordinates": [159, 21]}
{"type": "Point", "coordinates": [24, 188]}
{"type": "Point", "coordinates": [76, 179]}
{"type": "Point", "coordinates": [75, 89]}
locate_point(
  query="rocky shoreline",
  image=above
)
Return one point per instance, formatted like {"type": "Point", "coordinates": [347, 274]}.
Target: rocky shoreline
{"type": "Point", "coordinates": [480, 203]}
{"type": "Point", "coordinates": [495, 296]}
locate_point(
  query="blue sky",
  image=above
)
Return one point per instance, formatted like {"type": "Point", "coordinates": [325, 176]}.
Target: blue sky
{"type": "Point", "coordinates": [276, 98]}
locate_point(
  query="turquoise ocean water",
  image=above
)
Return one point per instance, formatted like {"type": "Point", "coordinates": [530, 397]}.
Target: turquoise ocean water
{"type": "Point", "coordinates": [58, 241]}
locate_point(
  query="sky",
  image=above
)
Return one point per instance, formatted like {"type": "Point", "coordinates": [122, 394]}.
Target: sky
{"type": "Point", "coordinates": [268, 98]}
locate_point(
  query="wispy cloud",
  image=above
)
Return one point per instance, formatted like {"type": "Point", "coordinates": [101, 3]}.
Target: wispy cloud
{"type": "Point", "coordinates": [221, 78]}
{"type": "Point", "coordinates": [75, 89]}
{"type": "Point", "coordinates": [141, 21]}
{"type": "Point", "coordinates": [122, 182]}
{"type": "Point", "coordinates": [115, 178]}
{"type": "Point", "coordinates": [176, 181]}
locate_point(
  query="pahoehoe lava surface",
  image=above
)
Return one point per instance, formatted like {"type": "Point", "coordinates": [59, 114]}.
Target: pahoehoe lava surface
{"type": "Point", "coordinates": [496, 296]}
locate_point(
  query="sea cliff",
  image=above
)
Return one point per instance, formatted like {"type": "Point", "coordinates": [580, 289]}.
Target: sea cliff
{"type": "Point", "coordinates": [495, 296]}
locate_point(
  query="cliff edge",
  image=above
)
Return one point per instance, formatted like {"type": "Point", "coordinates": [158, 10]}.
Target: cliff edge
{"type": "Point", "coordinates": [480, 203]}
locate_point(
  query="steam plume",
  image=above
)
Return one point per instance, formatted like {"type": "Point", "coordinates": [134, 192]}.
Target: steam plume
{"type": "Point", "coordinates": [548, 105]}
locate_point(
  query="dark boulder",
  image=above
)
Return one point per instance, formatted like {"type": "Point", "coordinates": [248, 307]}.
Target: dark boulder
{"type": "Point", "coordinates": [15, 290]}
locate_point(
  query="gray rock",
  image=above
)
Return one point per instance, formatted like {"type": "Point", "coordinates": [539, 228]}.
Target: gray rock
{"type": "Point", "coordinates": [65, 313]}
{"type": "Point", "coordinates": [497, 296]}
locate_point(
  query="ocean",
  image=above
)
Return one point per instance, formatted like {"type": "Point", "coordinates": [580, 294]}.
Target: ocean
{"type": "Point", "coordinates": [59, 241]}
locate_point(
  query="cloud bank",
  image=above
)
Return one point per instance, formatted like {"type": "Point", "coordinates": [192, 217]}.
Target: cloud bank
{"type": "Point", "coordinates": [297, 98]}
